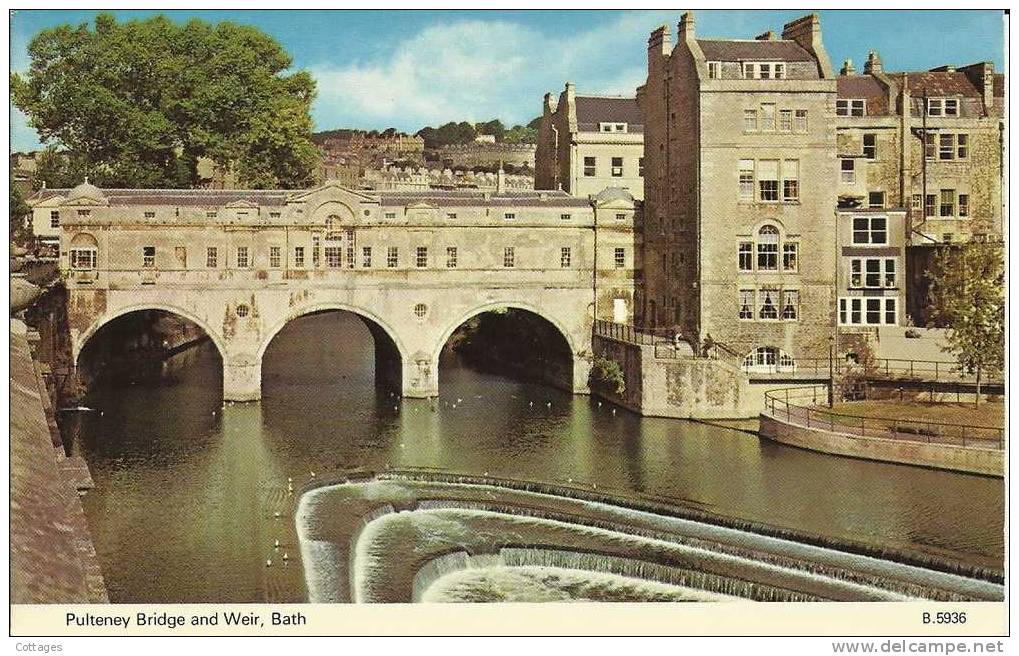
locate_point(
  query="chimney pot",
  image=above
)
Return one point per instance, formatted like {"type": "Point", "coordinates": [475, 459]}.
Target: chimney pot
{"type": "Point", "coordinates": [847, 68]}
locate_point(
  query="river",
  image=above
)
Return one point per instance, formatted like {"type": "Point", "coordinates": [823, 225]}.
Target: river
{"type": "Point", "coordinates": [188, 489]}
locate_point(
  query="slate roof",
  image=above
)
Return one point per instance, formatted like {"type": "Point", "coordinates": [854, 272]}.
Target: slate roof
{"type": "Point", "coordinates": [940, 83]}
{"type": "Point", "coordinates": [556, 198]}
{"type": "Point", "coordinates": [182, 197]}
{"type": "Point", "coordinates": [592, 110]}
{"type": "Point", "coordinates": [750, 50]}
{"type": "Point", "coordinates": [866, 87]}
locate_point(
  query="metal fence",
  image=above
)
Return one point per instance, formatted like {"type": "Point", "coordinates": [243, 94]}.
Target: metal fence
{"type": "Point", "coordinates": [798, 405]}
{"type": "Point", "coordinates": [891, 368]}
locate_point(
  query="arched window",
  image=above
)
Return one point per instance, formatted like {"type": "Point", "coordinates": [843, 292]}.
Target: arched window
{"type": "Point", "coordinates": [767, 248]}
{"type": "Point", "coordinates": [768, 360]}
{"type": "Point", "coordinates": [333, 232]}
{"type": "Point", "coordinates": [84, 252]}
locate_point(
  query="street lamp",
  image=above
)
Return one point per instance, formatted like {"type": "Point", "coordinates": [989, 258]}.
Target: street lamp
{"type": "Point", "coordinates": [831, 371]}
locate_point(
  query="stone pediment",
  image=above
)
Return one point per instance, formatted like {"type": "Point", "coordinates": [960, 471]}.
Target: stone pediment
{"type": "Point", "coordinates": [242, 205]}
{"type": "Point", "coordinates": [85, 202]}
{"type": "Point", "coordinates": [332, 191]}
{"type": "Point", "coordinates": [52, 201]}
{"type": "Point", "coordinates": [422, 205]}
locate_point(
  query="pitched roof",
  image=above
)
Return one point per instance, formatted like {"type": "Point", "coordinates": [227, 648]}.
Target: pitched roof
{"type": "Point", "coordinates": [181, 197]}
{"type": "Point", "coordinates": [551, 198]}
{"type": "Point", "coordinates": [749, 50]}
{"type": "Point", "coordinates": [940, 83]}
{"type": "Point", "coordinates": [866, 87]}
{"type": "Point", "coordinates": [592, 110]}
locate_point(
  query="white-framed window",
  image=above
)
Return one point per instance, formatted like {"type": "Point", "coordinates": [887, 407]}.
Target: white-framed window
{"type": "Point", "coordinates": [509, 216]}
{"type": "Point", "coordinates": [770, 360]}
{"type": "Point", "coordinates": [149, 215]}
{"type": "Point", "coordinates": [856, 311]}
{"type": "Point", "coordinates": [767, 180]}
{"type": "Point", "coordinates": [872, 272]}
{"type": "Point", "coordinates": [619, 257]}
{"type": "Point", "coordinates": [767, 117]}
{"type": "Point", "coordinates": [764, 70]}
{"type": "Point", "coordinates": [870, 230]}
{"type": "Point", "coordinates": [565, 257]}
{"type": "Point", "coordinates": [714, 69]}
{"type": "Point", "coordinates": [421, 257]}
{"type": "Point", "coordinates": [274, 257]}
{"type": "Point", "coordinates": [746, 179]}
{"type": "Point", "coordinates": [54, 218]}
{"type": "Point", "coordinates": [299, 257]}
{"type": "Point", "coordinates": [451, 215]}
{"type": "Point", "coordinates": [565, 217]}
{"type": "Point", "coordinates": [790, 304]}
{"type": "Point", "coordinates": [942, 107]}
{"type": "Point", "coordinates": [870, 145]}
{"type": "Point", "coordinates": [876, 199]}
{"type": "Point", "coordinates": [790, 255]}
{"type": "Point", "coordinates": [785, 120]}
{"type": "Point", "coordinates": [946, 207]}
{"type": "Point", "coordinates": [851, 107]}
{"type": "Point", "coordinates": [83, 259]}
{"type": "Point", "coordinates": [316, 251]}
{"type": "Point", "coordinates": [334, 257]}
{"type": "Point", "coordinates": [243, 261]}
{"type": "Point", "coordinates": [848, 170]}
{"type": "Point", "coordinates": [392, 257]}
{"type": "Point", "coordinates": [451, 257]}
{"type": "Point", "coordinates": [800, 120]}
{"type": "Point", "coordinates": [767, 248]}
{"type": "Point", "coordinates": [148, 257]}
{"type": "Point", "coordinates": [211, 257]}
{"type": "Point", "coordinates": [617, 167]}
{"type": "Point", "coordinates": [509, 258]}
{"type": "Point", "coordinates": [790, 180]}
{"type": "Point", "coordinates": [390, 215]}
{"type": "Point", "coordinates": [746, 256]}
{"type": "Point", "coordinates": [950, 146]}
{"type": "Point", "coordinates": [963, 205]}
{"type": "Point", "coordinates": [768, 300]}
{"type": "Point", "coordinates": [931, 205]}
{"type": "Point", "coordinates": [746, 304]}
{"type": "Point", "coordinates": [590, 167]}
{"type": "Point", "coordinates": [750, 120]}
{"type": "Point", "coordinates": [84, 213]}
{"type": "Point", "coordinates": [366, 257]}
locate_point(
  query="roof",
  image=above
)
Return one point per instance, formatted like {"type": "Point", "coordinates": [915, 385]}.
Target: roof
{"type": "Point", "coordinates": [456, 198]}
{"type": "Point", "coordinates": [181, 197]}
{"type": "Point", "coordinates": [940, 83]}
{"type": "Point", "coordinates": [592, 110]}
{"type": "Point", "coordinates": [867, 87]}
{"type": "Point", "coordinates": [744, 50]}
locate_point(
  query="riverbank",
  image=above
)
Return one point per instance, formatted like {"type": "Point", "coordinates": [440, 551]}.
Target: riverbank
{"type": "Point", "coordinates": [52, 556]}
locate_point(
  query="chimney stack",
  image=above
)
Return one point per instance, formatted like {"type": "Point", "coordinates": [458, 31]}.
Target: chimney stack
{"type": "Point", "coordinates": [686, 33]}
{"type": "Point", "coordinates": [806, 31]}
{"type": "Point", "coordinates": [765, 36]}
{"type": "Point", "coordinates": [500, 182]}
{"type": "Point", "coordinates": [873, 64]}
{"type": "Point", "coordinates": [847, 68]}
{"type": "Point", "coordinates": [659, 44]}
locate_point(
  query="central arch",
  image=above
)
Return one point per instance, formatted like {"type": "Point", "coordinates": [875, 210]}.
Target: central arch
{"type": "Point", "coordinates": [390, 351]}
{"type": "Point", "coordinates": [568, 343]}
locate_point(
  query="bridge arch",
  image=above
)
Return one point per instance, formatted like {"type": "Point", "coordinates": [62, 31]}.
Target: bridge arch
{"type": "Point", "coordinates": [314, 308]}
{"type": "Point", "coordinates": [82, 339]}
{"type": "Point", "coordinates": [498, 305]}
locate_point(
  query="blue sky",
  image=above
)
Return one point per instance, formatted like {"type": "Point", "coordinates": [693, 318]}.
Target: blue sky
{"type": "Point", "coordinates": [408, 69]}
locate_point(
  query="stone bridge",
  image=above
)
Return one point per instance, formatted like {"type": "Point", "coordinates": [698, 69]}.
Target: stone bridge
{"type": "Point", "coordinates": [242, 265]}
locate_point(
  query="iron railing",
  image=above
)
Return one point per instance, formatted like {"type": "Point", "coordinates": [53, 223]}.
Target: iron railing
{"type": "Point", "coordinates": [798, 405]}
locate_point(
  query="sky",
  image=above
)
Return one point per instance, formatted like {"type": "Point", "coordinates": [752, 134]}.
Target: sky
{"type": "Point", "coordinates": [408, 69]}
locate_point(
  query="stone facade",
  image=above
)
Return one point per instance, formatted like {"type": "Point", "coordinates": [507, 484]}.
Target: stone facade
{"type": "Point", "coordinates": [392, 178]}
{"type": "Point", "coordinates": [484, 153]}
{"type": "Point", "coordinates": [588, 143]}
{"type": "Point", "coordinates": [739, 201]}
{"type": "Point", "coordinates": [413, 265]}
{"type": "Point", "coordinates": [951, 187]}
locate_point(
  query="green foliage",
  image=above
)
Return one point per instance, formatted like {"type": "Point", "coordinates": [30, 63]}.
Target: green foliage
{"type": "Point", "coordinates": [494, 128]}
{"type": "Point", "coordinates": [448, 134]}
{"type": "Point", "coordinates": [967, 296]}
{"type": "Point", "coordinates": [139, 102]}
{"type": "Point", "coordinates": [21, 232]}
{"type": "Point", "coordinates": [607, 374]}
{"type": "Point", "coordinates": [521, 134]}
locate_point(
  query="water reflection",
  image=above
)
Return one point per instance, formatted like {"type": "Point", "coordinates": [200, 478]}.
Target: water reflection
{"type": "Point", "coordinates": [186, 489]}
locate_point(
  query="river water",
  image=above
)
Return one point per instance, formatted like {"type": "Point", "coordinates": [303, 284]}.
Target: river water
{"type": "Point", "coordinates": [188, 490]}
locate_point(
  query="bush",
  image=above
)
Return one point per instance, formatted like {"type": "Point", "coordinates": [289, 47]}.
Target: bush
{"type": "Point", "coordinates": [606, 374]}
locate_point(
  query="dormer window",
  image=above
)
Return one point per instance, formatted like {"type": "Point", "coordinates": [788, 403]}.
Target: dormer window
{"type": "Point", "coordinates": [851, 107]}
{"type": "Point", "coordinates": [764, 70]}
{"type": "Point", "coordinates": [613, 127]}
{"type": "Point", "coordinates": [942, 107]}
{"type": "Point", "coordinates": [714, 70]}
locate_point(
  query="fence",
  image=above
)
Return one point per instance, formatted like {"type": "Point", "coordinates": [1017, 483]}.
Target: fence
{"type": "Point", "coordinates": [927, 370]}
{"type": "Point", "coordinates": [797, 406]}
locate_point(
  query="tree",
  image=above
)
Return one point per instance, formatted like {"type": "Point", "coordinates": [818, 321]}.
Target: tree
{"type": "Point", "coordinates": [19, 213]}
{"type": "Point", "coordinates": [494, 128]}
{"type": "Point", "coordinates": [967, 296]}
{"type": "Point", "coordinates": [140, 102]}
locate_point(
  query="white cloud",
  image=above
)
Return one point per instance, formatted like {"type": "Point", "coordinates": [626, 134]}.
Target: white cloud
{"type": "Point", "coordinates": [479, 69]}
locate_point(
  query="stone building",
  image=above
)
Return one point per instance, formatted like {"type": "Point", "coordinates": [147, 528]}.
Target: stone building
{"type": "Point", "coordinates": [588, 143]}
{"type": "Point", "coordinates": [394, 178]}
{"type": "Point", "coordinates": [488, 154]}
{"type": "Point", "coordinates": [871, 269]}
{"type": "Point", "coordinates": [931, 141]}
{"type": "Point", "coordinates": [739, 200]}
{"type": "Point", "coordinates": [415, 265]}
